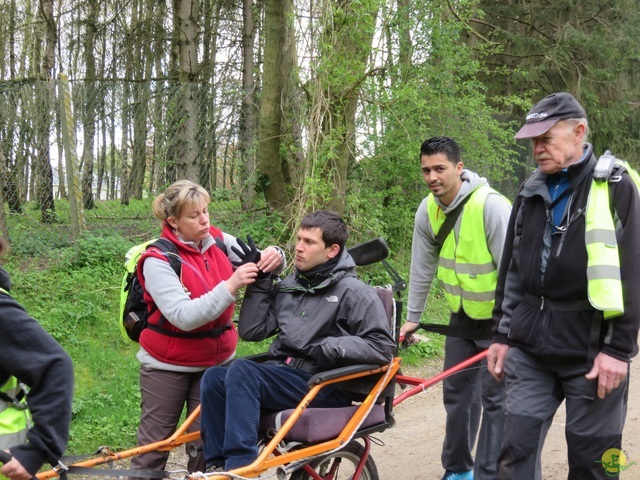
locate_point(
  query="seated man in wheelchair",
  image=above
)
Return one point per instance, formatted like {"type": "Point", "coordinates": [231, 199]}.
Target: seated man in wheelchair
{"type": "Point", "coordinates": [323, 317]}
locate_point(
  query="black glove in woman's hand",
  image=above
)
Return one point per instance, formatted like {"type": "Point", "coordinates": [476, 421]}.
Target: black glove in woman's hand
{"type": "Point", "coordinates": [248, 254]}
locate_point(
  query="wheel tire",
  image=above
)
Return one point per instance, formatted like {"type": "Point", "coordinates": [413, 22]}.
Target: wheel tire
{"type": "Point", "coordinates": [347, 459]}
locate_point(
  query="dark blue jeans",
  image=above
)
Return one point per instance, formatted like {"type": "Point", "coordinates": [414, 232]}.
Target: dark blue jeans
{"type": "Point", "coordinates": [231, 400]}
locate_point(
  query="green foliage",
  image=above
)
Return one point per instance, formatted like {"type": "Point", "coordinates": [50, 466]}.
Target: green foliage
{"type": "Point", "coordinates": [437, 92]}
{"type": "Point", "coordinates": [75, 298]}
{"type": "Point", "coordinates": [106, 405]}
{"type": "Point", "coordinates": [251, 348]}
{"type": "Point", "coordinates": [433, 347]}
{"type": "Point", "coordinates": [92, 251]}
{"type": "Point", "coordinates": [32, 242]}
{"type": "Point", "coordinates": [265, 226]}
{"type": "Point", "coordinates": [590, 51]}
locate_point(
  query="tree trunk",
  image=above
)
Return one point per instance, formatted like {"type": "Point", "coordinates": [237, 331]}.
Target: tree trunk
{"type": "Point", "coordinates": [249, 112]}
{"type": "Point", "coordinates": [126, 107]}
{"type": "Point", "coordinates": [10, 177]}
{"type": "Point", "coordinates": [102, 123]}
{"type": "Point", "coordinates": [276, 72]}
{"type": "Point", "coordinates": [142, 97]}
{"type": "Point", "coordinates": [4, 227]}
{"type": "Point", "coordinates": [158, 165]}
{"type": "Point", "coordinates": [44, 95]}
{"type": "Point", "coordinates": [185, 116]}
{"type": "Point", "coordinates": [89, 106]}
{"type": "Point", "coordinates": [345, 49]}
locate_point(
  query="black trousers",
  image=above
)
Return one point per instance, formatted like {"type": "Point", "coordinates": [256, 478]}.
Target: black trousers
{"type": "Point", "coordinates": [472, 399]}
{"type": "Point", "coordinates": [536, 386]}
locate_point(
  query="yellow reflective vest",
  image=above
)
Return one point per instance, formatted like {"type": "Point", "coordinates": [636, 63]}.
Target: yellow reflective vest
{"type": "Point", "coordinates": [604, 285]}
{"type": "Point", "coordinates": [15, 419]}
{"type": "Point", "coordinates": [466, 268]}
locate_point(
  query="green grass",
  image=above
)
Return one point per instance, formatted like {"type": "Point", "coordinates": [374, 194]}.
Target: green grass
{"type": "Point", "coordinates": [72, 288]}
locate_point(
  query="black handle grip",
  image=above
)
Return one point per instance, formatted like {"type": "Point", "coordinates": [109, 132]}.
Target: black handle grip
{"type": "Point", "coordinates": [5, 457]}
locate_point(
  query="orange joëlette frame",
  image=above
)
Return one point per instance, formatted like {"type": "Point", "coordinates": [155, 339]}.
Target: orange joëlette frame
{"type": "Point", "coordinates": [269, 457]}
{"type": "Point", "coordinates": [265, 460]}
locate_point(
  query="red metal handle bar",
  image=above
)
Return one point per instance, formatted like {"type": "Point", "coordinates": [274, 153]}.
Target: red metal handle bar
{"type": "Point", "coordinates": [421, 385]}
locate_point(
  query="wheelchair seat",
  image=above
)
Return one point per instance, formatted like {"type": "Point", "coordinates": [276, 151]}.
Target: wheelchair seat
{"type": "Point", "coordinates": [319, 424]}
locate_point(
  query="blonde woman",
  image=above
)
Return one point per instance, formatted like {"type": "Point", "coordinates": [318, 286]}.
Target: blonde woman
{"type": "Point", "coordinates": [190, 326]}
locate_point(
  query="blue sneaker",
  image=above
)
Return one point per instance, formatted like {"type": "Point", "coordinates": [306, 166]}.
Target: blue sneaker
{"type": "Point", "coordinates": [458, 476]}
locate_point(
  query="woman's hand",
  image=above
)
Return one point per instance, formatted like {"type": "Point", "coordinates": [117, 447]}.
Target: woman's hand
{"type": "Point", "coordinates": [243, 276]}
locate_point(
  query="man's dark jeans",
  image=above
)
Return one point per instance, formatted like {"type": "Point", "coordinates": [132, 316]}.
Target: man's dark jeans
{"type": "Point", "coordinates": [231, 400]}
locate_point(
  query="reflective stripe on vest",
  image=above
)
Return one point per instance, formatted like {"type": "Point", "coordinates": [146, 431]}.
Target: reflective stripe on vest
{"type": "Point", "coordinates": [604, 287]}
{"type": "Point", "coordinates": [15, 419]}
{"type": "Point", "coordinates": [466, 268]}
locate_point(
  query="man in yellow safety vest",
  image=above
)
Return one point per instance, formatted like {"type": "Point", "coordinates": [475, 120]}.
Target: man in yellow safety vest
{"type": "Point", "coordinates": [459, 231]}
{"type": "Point", "coordinates": [567, 306]}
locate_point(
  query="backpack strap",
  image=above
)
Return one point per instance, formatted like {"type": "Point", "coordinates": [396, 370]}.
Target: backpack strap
{"type": "Point", "coordinates": [450, 221]}
{"type": "Point", "coordinates": [213, 333]}
{"type": "Point", "coordinates": [173, 257]}
{"type": "Point", "coordinates": [167, 246]}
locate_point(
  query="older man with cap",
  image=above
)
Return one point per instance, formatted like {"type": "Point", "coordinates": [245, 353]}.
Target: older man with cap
{"type": "Point", "coordinates": [567, 307]}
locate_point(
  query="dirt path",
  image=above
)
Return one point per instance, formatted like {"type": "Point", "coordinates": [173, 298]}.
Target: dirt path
{"type": "Point", "coordinates": [411, 449]}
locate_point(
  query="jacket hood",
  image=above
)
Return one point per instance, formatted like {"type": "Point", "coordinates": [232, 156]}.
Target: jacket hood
{"type": "Point", "coordinates": [470, 182]}
{"type": "Point", "coordinates": [345, 262]}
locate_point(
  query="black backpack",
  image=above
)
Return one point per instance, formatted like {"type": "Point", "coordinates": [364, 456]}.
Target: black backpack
{"type": "Point", "coordinates": [133, 309]}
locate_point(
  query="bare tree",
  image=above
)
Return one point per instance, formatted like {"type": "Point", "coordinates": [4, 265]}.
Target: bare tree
{"type": "Point", "coordinates": [249, 111]}
{"type": "Point", "coordinates": [141, 35]}
{"type": "Point", "coordinates": [90, 101]}
{"type": "Point", "coordinates": [158, 172]}
{"type": "Point", "coordinates": [184, 77]}
{"type": "Point", "coordinates": [339, 68]}
{"type": "Point", "coordinates": [47, 36]}
{"type": "Point", "coordinates": [4, 228]}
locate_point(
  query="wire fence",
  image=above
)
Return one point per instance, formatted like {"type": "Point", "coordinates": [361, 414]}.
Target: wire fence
{"type": "Point", "coordinates": [92, 155]}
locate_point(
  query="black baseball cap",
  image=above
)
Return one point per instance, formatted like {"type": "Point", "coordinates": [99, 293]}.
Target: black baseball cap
{"type": "Point", "coordinates": [549, 111]}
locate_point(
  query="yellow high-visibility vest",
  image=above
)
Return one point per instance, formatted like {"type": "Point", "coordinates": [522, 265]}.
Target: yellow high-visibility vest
{"type": "Point", "coordinates": [604, 285]}
{"type": "Point", "coordinates": [15, 419]}
{"type": "Point", "coordinates": [466, 268]}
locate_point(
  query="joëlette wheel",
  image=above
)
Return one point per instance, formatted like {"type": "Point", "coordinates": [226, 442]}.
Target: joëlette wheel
{"type": "Point", "coordinates": [341, 465]}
